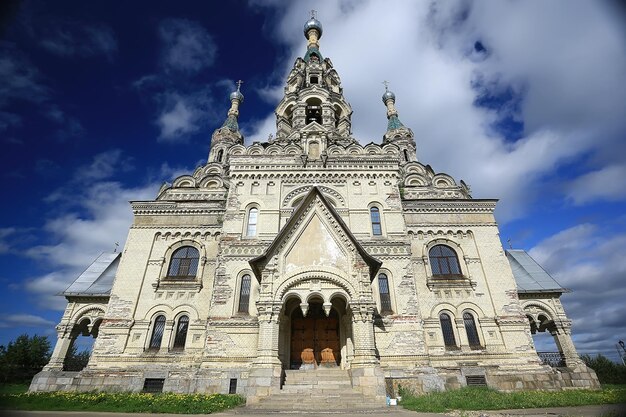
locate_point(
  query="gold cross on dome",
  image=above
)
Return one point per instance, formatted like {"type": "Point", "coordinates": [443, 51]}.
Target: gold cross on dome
{"type": "Point", "coordinates": [313, 14]}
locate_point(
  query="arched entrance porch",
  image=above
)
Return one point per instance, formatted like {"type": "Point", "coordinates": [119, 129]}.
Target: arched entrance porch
{"type": "Point", "coordinates": [316, 333]}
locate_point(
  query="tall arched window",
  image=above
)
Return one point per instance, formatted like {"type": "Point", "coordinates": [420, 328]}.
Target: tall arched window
{"type": "Point", "coordinates": [157, 332]}
{"type": "Point", "coordinates": [406, 155]}
{"type": "Point", "coordinates": [375, 219]}
{"type": "Point", "coordinates": [253, 217]}
{"type": "Point", "coordinates": [184, 263]}
{"type": "Point", "coordinates": [220, 155]}
{"type": "Point", "coordinates": [383, 291]}
{"type": "Point", "coordinates": [244, 294]}
{"type": "Point", "coordinates": [448, 333]}
{"type": "Point", "coordinates": [181, 332]}
{"type": "Point", "coordinates": [471, 330]}
{"type": "Point", "coordinates": [444, 262]}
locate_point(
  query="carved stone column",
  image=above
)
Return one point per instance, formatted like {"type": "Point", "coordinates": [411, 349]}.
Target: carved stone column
{"type": "Point", "coordinates": [563, 339]}
{"type": "Point", "coordinates": [63, 344]}
{"type": "Point", "coordinates": [363, 335]}
{"type": "Point", "coordinates": [367, 376]}
{"type": "Point", "coordinates": [266, 371]}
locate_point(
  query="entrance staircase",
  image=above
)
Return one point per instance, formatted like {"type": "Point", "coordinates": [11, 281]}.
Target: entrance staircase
{"type": "Point", "coordinates": [318, 390]}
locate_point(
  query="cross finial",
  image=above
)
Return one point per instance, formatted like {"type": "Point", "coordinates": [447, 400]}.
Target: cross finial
{"type": "Point", "coordinates": [509, 242]}
{"type": "Point", "coordinates": [116, 245]}
{"type": "Point", "coordinates": [239, 82]}
{"type": "Point", "coordinates": [313, 14]}
{"type": "Point", "coordinates": [386, 85]}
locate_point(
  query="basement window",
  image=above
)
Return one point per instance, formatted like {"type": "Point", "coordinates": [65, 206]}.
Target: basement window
{"type": "Point", "coordinates": [232, 388]}
{"type": "Point", "coordinates": [476, 380]}
{"type": "Point", "coordinates": [153, 385]}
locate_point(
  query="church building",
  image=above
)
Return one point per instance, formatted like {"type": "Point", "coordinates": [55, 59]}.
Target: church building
{"type": "Point", "coordinates": [312, 262]}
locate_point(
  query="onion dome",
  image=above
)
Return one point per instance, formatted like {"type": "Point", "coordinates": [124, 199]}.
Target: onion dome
{"type": "Point", "coordinates": [236, 95]}
{"type": "Point", "coordinates": [388, 95]}
{"type": "Point", "coordinates": [312, 23]}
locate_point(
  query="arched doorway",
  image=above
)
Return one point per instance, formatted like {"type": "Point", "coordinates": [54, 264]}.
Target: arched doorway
{"type": "Point", "coordinates": [315, 338]}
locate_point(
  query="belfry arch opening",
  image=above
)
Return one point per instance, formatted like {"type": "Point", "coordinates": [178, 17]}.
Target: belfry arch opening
{"type": "Point", "coordinates": [313, 110]}
{"type": "Point", "coordinates": [82, 337]}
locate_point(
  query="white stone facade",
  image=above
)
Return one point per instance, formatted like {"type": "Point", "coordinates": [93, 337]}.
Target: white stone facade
{"type": "Point", "coordinates": [286, 229]}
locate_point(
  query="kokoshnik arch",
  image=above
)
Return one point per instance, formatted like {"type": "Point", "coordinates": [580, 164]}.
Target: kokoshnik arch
{"type": "Point", "coordinates": [311, 254]}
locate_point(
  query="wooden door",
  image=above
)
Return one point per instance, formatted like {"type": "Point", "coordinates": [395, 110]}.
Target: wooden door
{"type": "Point", "coordinates": [314, 338]}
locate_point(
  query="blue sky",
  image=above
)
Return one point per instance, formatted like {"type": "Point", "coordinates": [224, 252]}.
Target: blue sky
{"type": "Point", "coordinates": [100, 102]}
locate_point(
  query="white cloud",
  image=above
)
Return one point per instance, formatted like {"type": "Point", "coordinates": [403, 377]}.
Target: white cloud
{"type": "Point", "coordinates": [187, 46]}
{"type": "Point", "coordinates": [562, 65]}
{"type": "Point", "coordinates": [104, 165]}
{"type": "Point", "coordinates": [606, 183]}
{"type": "Point", "coordinates": [4, 234]}
{"type": "Point", "coordinates": [24, 320]}
{"type": "Point", "coordinates": [178, 120]}
{"type": "Point", "coordinates": [66, 38]}
{"type": "Point", "coordinates": [20, 79]}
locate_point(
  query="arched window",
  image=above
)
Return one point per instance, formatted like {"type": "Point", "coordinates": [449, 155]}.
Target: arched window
{"type": "Point", "coordinates": [375, 219]}
{"type": "Point", "coordinates": [244, 294]}
{"type": "Point", "coordinates": [184, 263]}
{"type": "Point", "coordinates": [406, 155]}
{"type": "Point", "coordinates": [446, 328]}
{"type": "Point", "coordinates": [157, 332]}
{"type": "Point", "coordinates": [220, 155]}
{"type": "Point", "coordinates": [472, 332]}
{"type": "Point", "coordinates": [383, 290]}
{"type": "Point", "coordinates": [181, 332]}
{"type": "Point", "coordinates": [444, 262]}
{"type": "Point", "coordinates": [253, 217]}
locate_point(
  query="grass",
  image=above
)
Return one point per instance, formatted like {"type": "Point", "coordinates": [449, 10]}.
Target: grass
{"type": "Point", "coordinates": [480, 398]}
{"type": "Point", "coordinates": [119, 402]}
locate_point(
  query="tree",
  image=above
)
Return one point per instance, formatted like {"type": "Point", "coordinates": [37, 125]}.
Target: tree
{"type": "Point", "coordinates": [75, 361]}
{"type": "Point", "coordinates": [23, 358]}
{"type": "Point", "coordinates": [608, 371]}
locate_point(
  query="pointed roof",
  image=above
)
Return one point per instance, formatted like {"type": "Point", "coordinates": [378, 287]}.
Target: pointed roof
{"type": "Point", "coordinates": [529, 275]}
{"type": "Point", "coordinates": [259, 262]}
{"type": "Point", "coordinates": [97, 279]}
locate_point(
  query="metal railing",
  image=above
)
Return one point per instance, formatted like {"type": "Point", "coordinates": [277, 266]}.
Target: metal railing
{"type": "Point", "coordinates": [554, 359]}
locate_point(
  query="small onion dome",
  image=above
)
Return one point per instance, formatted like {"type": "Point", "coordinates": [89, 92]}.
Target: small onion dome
{"type": "Point", "coordinates": [388, 95]}
{"type": "Point", "coordinates": [313, 23]}
{"type": "Point", "coordinates": [236, 95]}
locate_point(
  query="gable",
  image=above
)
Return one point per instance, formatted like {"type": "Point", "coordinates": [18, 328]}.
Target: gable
{"type": "Point", "coordinates": [315, 246]}
{"type": "Point", "coordinates": [316, 242]}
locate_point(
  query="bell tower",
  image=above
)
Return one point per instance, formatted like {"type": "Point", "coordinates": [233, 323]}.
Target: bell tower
{"type": "Point", "coordinates": [313, 111]}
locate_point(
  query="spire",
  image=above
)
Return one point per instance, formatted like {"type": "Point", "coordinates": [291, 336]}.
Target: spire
{"type": "Point", "coordinates": [313, 32]}
{"type": "Point", "coordinates": [394, 125]}
{"type": "Point", "coordinates": [236, 98]}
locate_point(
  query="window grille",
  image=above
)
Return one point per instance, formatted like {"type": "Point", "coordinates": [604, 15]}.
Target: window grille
{"type": "Point", "coordinates": [157, 332]}
{"type": "Point", "coordinates": [444, 261]}
{"type": "Point", "coordinates": [153, 385]}
{"type": "Point", "coordinates": [476, 380]}
{"type": "Point", "coordinates": [375, 218]}
{"type": "Point", "coordinates": [253, 215]}
{"type": "Point", "coordinates": [472, 332]}
{"type": "Point", "coordinates": [181, 332]}
{"type": "Point", "coordinates": [184, 262]}
{"type": "Point", "coordinates": [383, 290]}
{"type": "Point", "coordinates": [244, 294]}
{"type": "Point", "coordinates": [448, 333]}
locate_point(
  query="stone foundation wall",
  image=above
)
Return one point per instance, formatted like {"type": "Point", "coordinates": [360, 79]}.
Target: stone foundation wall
{"type": "Point", "coordinates": [182, 382]}
{"type": "Point", "coordinates": [423, 381]}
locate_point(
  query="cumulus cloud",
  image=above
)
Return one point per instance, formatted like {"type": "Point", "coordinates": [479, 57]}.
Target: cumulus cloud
{"type": "Point", "coordinates": [187, 46]}
{"type": "Point", "coordinates": [67, 38]}
{"type": "Point", "coordinates": [24, 320]}
{"type": "Point", "coordinates": [606, 183]}
{"type": "Point", "coordinates": [465, 72]}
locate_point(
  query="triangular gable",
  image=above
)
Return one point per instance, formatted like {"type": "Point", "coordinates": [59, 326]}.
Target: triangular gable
{"type": "Point", "coordinates": [259, 262]}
